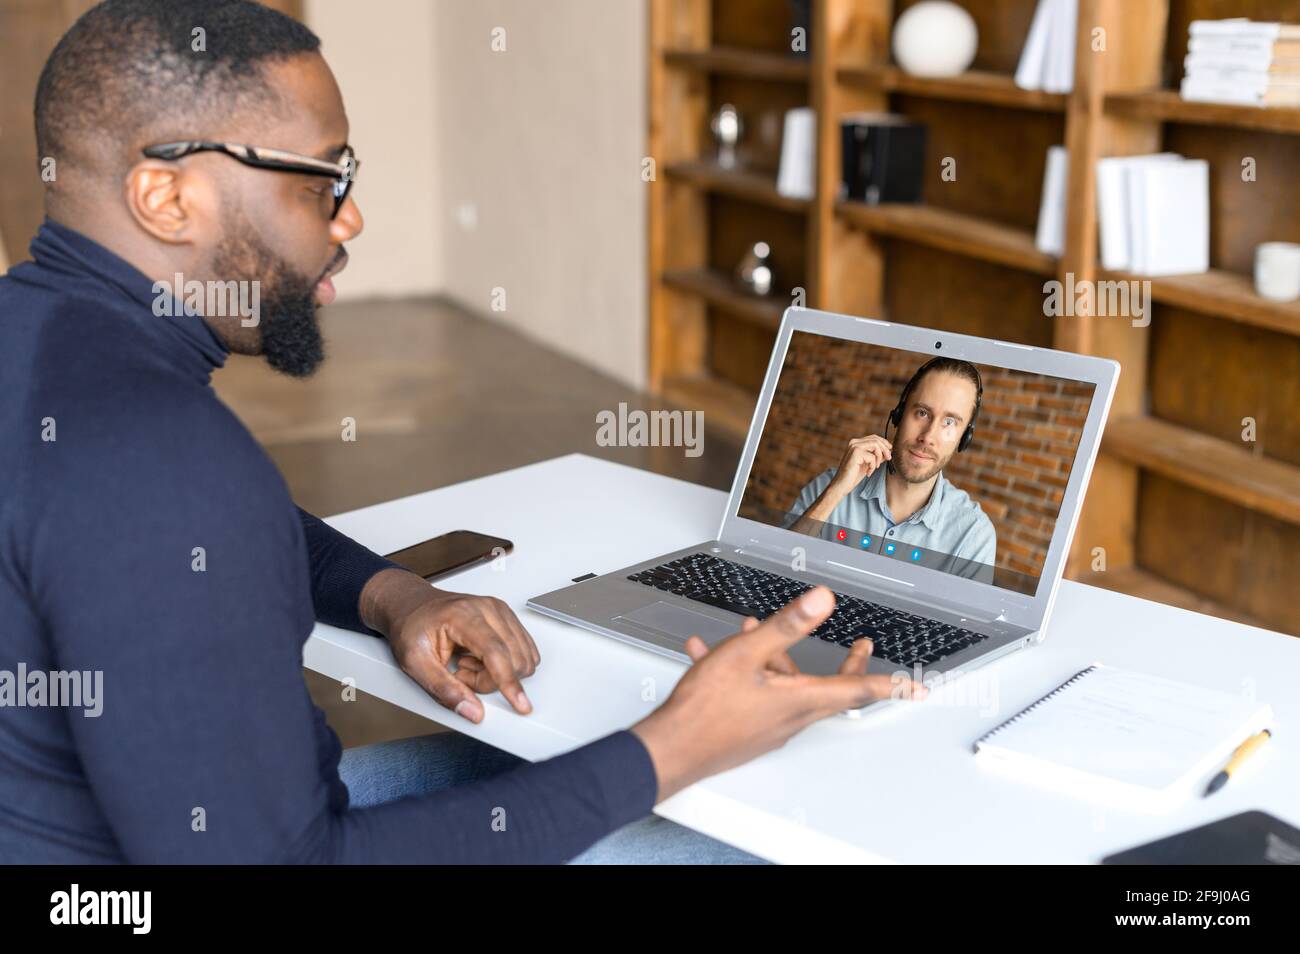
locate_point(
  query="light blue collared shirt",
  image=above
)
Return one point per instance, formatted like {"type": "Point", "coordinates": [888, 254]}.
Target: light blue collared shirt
{"type": "Point", "coordinates": [951, 530]}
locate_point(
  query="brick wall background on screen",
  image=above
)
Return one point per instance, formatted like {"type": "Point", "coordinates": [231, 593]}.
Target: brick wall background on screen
{"type": "Point", "coordinates": [1016, 469]}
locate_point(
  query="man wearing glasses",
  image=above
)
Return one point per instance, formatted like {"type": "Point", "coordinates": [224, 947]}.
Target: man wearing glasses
{"type": "Point", "coordinates": [146, 537]}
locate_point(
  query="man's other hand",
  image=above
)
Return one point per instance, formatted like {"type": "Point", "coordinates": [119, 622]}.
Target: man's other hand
{"type": "Point", "coordinates": [429, 628]}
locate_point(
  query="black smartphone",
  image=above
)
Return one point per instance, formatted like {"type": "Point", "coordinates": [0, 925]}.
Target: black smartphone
{"type": "Point", "coordinates": [451, 551]}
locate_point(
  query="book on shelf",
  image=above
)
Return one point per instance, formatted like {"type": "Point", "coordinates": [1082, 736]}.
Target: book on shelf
{"type": "Point", "coordinates": [1212, 62]}
{"type": "Point", "coordinates": [1153, 214]}
{"type": "Point", "coordinates": [1241, 94]}
{"type": "Point", "coordinates": [1047, 60]}
{"type": "Point", "coordinates": [796, 178]}
{"type": "Point", "coordinates": [1243, 62]}
{"type": "Point", "coordinates": [1113, 205]}
{"type": "Point", "coordinates": [1239, 27]}
{"type": "Point", "coordinates": [1247, 46]}
{"type": "Point", "coordinates": [1050, 237]}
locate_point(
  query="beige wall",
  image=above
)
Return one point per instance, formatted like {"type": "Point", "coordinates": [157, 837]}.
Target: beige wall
{"type": "Point", "coordinates": [380, 52]}
{"type": "Point", "coordinates": [544, 141]}
{"type": "Point", "coordinates": [540, 145]}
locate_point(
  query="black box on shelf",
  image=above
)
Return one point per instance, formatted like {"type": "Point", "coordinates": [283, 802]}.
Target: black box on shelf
{"type": "Point", "coordinates": [883, 158]}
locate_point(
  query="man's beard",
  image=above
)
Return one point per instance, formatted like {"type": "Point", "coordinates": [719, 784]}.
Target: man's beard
{"type": "Point", "coordinates": [907, 471]}
{"type": "Point", "coordinates": [290, 334]}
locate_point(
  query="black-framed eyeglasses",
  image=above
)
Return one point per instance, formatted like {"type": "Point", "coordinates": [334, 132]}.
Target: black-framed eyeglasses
{"type": "Point", "coordinates": [344, 172]}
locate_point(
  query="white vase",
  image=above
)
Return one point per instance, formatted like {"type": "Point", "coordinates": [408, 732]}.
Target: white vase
{"type": "Point", "coordinates": [935, 38]}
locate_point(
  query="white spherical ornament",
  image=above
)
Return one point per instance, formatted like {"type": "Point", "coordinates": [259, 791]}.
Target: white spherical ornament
{"type": "Point", "coordinates": [935, 38]}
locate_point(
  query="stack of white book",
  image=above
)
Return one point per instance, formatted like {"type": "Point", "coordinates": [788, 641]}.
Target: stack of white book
{"type": "Point", "coordinates": [1047, 60]}
{"type": "Point", "coordinates": [1153, 214]}
{"type": "Point", "coordinates": [1242, 61]}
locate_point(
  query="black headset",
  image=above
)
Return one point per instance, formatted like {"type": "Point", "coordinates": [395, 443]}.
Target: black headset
{"type": "Point", "coordinates": [896, 415]}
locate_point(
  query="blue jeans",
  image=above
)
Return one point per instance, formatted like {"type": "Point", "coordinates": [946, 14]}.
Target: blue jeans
{"type": "Point", "coordinates": [387, 771]}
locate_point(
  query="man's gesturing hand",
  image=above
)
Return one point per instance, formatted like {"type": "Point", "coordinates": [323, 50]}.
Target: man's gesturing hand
{"type": "Point", "coordinates": [428, 627]}
{"type": "Point", "coordinates": [745, 696]}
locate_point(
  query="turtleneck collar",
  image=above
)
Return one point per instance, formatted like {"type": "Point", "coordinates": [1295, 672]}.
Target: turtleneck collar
{"type": "Point", "coordinates": [64, 260]}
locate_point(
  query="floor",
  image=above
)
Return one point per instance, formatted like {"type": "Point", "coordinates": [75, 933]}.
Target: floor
{"type": "Point", "coordinates": [438, 395]}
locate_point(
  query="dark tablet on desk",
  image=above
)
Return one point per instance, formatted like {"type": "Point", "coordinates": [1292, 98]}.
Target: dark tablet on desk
{"type": "Point", "coordinates": [1251, 838]}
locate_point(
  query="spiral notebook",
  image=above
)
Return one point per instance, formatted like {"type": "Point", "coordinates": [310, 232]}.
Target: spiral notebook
{"type": "Point", "coordinates": [1129, 739]}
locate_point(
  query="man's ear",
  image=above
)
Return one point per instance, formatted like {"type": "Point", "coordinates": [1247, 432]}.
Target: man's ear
{"type": "Point", "coordinates": [165, 201]}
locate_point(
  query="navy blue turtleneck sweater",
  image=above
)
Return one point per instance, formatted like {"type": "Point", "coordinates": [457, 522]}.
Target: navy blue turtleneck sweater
{"type": "Point", "coordinates": [118, 462]}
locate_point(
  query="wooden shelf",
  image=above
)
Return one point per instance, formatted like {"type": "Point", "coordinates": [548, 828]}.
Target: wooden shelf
{"type": "Point", "coordinates": [952, 232]}
{"type": "Point", "coordinates": [736, 61]}
{"type": "Point", "coordinates": [969, 272]}
{"type": "Point", "coordinates": [1223, 294]}
{"type": "Point", "coordinates": [724, 404]}
{"type": "Point", "coordinates": [743, 183]}
{"type": "Point", "coordinates": [1134, 581]}
{"type": "Point", "coordinates": [1167, 106]}
{"type": "Point", "coordinates": [973, 86]}
{"type": "Point", "coordinates": [1209, 464]}
{"type": "Point", "coordinates": [719, 290]}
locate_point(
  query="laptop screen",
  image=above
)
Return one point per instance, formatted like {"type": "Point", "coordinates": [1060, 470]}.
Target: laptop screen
{"type": "Point", "coordinates": [863, 446]}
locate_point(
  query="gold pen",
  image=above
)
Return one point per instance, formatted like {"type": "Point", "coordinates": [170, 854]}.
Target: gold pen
{"type": "Point", "coordinates": [1243, 752]}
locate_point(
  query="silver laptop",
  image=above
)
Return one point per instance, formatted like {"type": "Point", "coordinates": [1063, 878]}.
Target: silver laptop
{"type": "Point", "coordinates": [948, 551]}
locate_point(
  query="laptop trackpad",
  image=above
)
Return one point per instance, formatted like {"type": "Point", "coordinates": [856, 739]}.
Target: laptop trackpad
{"type": "Point", "coordinates": [680, 622]}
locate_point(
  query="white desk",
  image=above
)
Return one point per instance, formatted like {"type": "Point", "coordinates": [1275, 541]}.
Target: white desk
{"type": "Point", "coordinates": [902, 786]}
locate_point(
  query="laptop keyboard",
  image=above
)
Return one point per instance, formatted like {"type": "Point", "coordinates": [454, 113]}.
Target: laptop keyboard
{"type": "Point", "coordinates": [900, 637]}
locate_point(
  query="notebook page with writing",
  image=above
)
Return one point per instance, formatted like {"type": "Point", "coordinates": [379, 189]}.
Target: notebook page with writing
{"type": "Point", "coordinates": [1132, 739]}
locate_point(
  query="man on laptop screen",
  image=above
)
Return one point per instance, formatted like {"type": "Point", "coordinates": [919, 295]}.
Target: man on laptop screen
{"type": "Point", "coordinates": [938, 461]}
{"type": "Point", "coordinates": [908, 501]}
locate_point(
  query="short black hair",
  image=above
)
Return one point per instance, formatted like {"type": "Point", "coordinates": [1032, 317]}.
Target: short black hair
{"type": "Point", "coordinates": [130, 66]}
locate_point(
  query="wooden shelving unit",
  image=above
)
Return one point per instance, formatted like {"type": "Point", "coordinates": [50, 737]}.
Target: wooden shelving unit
{"type": "Point", "coordinates": [727, 404]}
{"type": "Point", "coordinates": [1148, 586]}
{"type": "Point", "coordinates": [967, 235]}
{"type": "Point", "coordinates": [719, 290]}
{"type": "Point", "coordinates": [1175, 481]}
{"type": "Point", "coordinates": [744, 184]}
{"type": "Point", "coordinates": [1164, 105]}
{"type": "Point", "coordinates": [733, 61]}
{"type": "Point", "coordinates": [1198, 460]}
{"type": "Point", "coordinates": [974, 86]}
{"type": "Point", "coordinates": [1225, 294]}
